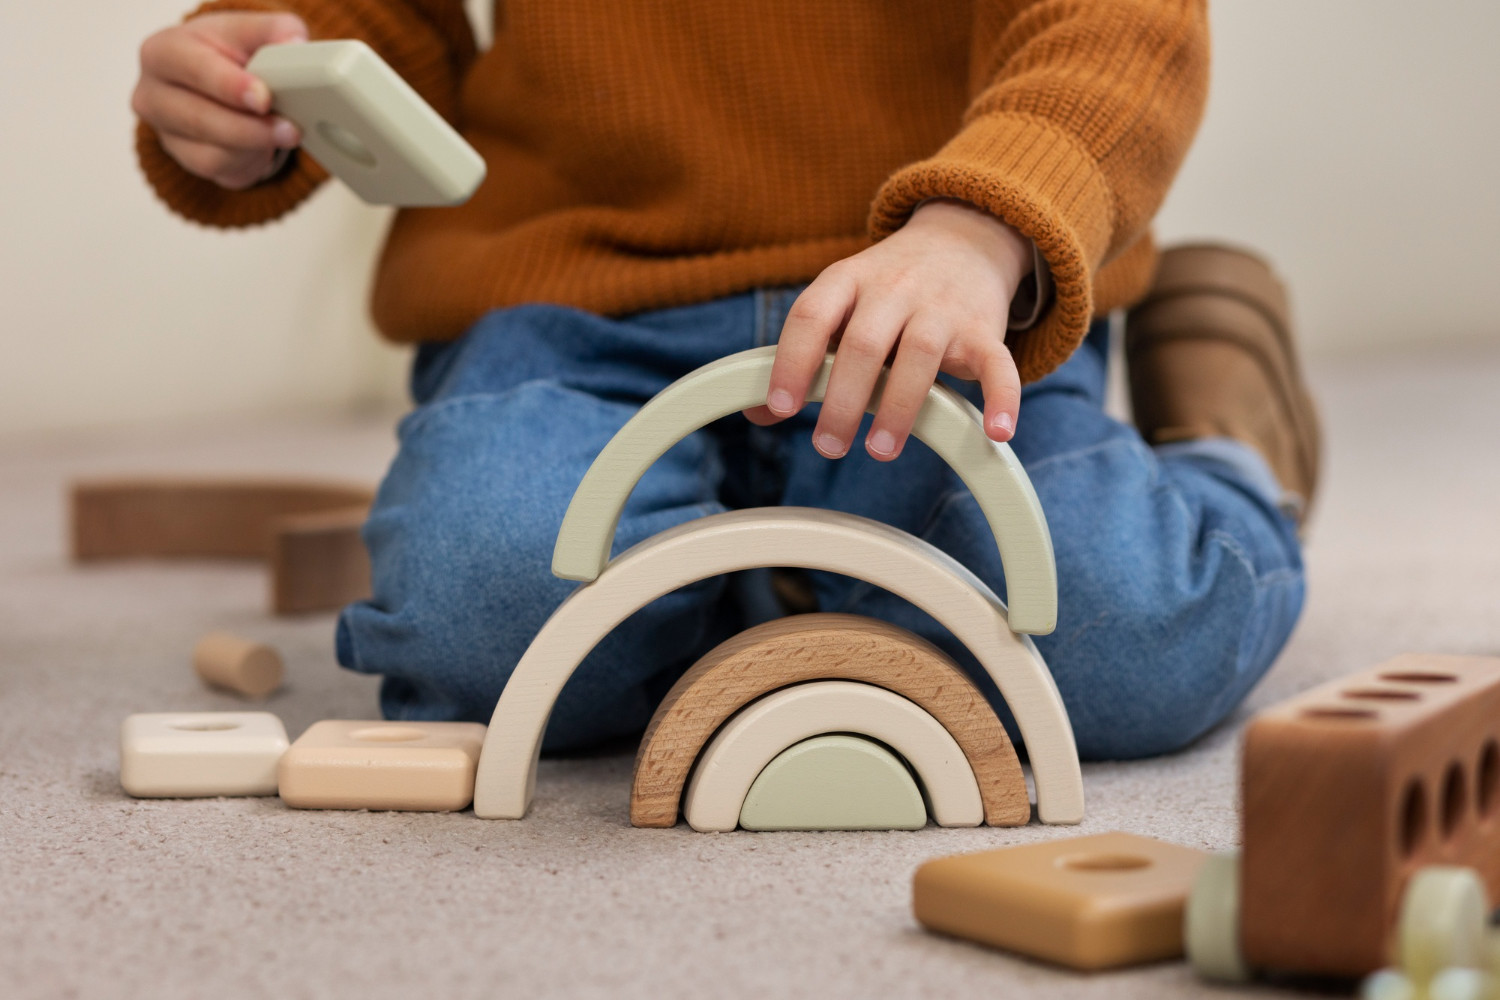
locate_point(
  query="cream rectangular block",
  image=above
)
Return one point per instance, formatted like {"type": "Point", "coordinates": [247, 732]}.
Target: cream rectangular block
{"type": "Point", "coordinates": [196, 754]}
{"type": "Point", "coordinates": [367, 125]}
{"type": "Point", "coordinates": [418, 766]}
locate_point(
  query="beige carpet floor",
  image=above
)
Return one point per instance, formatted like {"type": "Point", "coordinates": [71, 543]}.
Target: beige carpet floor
{"type": "Point", "coordinates": [105, 896]}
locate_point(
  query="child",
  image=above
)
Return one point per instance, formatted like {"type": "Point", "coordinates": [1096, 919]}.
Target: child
{"type": "Point", "coordinates": [963, 185]}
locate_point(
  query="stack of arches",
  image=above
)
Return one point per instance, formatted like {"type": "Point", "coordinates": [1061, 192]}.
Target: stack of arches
{"type": "Point", "coordinates": [814, 721]}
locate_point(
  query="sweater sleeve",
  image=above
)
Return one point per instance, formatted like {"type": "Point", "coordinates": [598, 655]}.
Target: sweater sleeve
{"type": "Point", "coordinates": [429, 42]}
{"type": "Point", "coordinates": [1081, 114]}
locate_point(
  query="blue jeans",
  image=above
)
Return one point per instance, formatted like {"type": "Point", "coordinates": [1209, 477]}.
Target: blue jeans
{"type": "Point", "coordinates": [1179, 580]}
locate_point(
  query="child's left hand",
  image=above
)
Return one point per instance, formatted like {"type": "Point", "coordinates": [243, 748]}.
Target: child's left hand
{"type": "Point", "coordinates": [937, 294]}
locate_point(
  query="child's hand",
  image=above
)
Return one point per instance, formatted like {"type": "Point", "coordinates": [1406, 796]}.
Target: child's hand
{"type": "Point", "coordinates": [937, 292]}
{"type": "Point", "coordinates": [212, 116]}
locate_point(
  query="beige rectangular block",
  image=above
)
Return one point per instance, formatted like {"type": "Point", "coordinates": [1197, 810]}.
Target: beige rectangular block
{"type": "Point", "coordinates": [196, 754]}
{"type": "Point", "coordinates": [347, 764]}
{"type": "Point", "coordinates": [1095, 902]}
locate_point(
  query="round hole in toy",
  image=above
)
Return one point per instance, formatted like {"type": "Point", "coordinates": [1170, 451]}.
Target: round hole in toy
{"type": "Point", "coordinates": [1348, 714]}
{"type": "Point", "coordinates": [1455, 799]}
{"type": "Point", "coordinates": [1382, 694]}
{"type": "Point", "coordinates": [1413, 817]}
{"type": "Point", "coordinates": [1488, 784]}
{"type": "Point", "coordinates": [346, 142]}
{"type": "Point", "coordinates": [387, 734]}
{"type": "Point", "coordinates": [1104, 862]}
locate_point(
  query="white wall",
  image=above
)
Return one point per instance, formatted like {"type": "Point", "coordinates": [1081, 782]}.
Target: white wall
{"type": "Point", "coordinates": [1356, 141]}
{"type": "Point", "coordinates": [116, 310]}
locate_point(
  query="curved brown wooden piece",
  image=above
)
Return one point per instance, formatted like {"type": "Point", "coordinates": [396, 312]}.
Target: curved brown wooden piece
{"type": "Point", "coordinates": [821, 647]}
{"type": "Point", "coordinates": [308, 530]}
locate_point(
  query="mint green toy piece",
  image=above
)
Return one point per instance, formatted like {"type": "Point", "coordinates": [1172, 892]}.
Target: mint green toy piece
{"type": "Point", "coordinates": [834, 782]}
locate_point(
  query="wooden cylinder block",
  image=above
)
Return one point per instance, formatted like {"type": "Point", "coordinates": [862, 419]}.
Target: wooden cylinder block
{"type": "Point", "coordinates": [228, 661]}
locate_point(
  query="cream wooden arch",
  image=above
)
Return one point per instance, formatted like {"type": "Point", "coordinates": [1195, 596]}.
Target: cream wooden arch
{"type": "Point", "coordinates": [752, 739]}
{"type": "Point", "coordinates": [947, 423]}
{"type": "Point", "coordinates": [779, 536]}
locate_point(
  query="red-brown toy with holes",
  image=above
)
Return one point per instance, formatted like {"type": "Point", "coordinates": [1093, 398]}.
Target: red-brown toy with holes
{"type": "Point", "coordinates": [1352, 787]}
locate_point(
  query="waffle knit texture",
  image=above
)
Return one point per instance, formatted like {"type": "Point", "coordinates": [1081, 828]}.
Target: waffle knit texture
{"type": "Point", "coordinates": [645, 153]}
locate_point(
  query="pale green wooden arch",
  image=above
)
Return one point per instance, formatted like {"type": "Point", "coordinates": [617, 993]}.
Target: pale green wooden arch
{"type": "Point", "coordinates": [947, 423]}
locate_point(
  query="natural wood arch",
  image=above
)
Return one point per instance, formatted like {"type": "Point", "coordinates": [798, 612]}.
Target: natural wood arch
{"type": "Point", "coordinates": [779, 536]}
{"type": "Point", "coordinates": [820, 647]}
{"type": "Point", "coordinates": [758, 734]}
{"type": "Point", "coordinates": [947, 423]}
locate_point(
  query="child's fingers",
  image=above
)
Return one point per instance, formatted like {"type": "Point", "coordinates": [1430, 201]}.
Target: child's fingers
{"type": "Point", "coordinates": [183, 113]}
{"type": "Point", "coordinates": [863, 349]}
{"type": "Point", "coordinates": [208, 55]}
{"type": "Point", "coordinates": [179, 58]}
{"type": "Point", "coordinates": [811, 323]}
{"type": "Point", "coordinates": [919, 356]}
{"type": "Point", "coordinates": [1001, 385]}
{"type": "Point", "coordinates": [227, 168]}
{"type": "Point", "coordinates": [239, 34]}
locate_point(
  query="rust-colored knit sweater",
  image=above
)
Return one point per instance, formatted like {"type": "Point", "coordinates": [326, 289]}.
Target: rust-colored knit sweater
{"type": "Point", "coordinates": [649, 153]}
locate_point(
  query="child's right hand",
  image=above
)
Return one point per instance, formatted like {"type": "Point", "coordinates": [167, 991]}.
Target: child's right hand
{"type": "Point", "coordinates": [212, 116]}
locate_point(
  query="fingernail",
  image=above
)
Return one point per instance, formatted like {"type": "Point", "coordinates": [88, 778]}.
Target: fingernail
{"type": "Point", "coordinates": [1003, 425]}
{"type": "Point", "coordinates": [882, 443]}
{"type": "Point", "coordinates": [781, 403]}
{"type": "Point", "coordinates": [829, 445]}
{"type": "Point", "coordinates": [258, 97]}
{"type": "Point", "coordinates": [284, 134]}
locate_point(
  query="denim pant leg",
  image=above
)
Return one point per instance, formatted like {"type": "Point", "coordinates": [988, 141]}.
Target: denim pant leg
{"type": "Point", "coordinates": [461, 533]}
{"type": "Point", "coordinates": [1179, 580]}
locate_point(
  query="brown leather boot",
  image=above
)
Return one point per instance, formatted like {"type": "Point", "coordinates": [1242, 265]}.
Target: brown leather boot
{"type": "Point", "coordinates": [1210, 353]}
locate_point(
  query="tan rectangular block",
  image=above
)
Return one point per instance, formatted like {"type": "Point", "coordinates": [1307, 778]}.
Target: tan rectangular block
{"type": "Point", "coordinates": [1093, 902]}
{"type": "Point", "coordinates": [417, 766]}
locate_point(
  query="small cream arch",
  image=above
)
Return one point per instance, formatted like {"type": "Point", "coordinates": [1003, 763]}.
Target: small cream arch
{"type": "Point", "coordinates": [779, 536]}
{"type": "Point", "coordinates": [947, 423]}
{"type": "Point", "coordinates": [761, 730]}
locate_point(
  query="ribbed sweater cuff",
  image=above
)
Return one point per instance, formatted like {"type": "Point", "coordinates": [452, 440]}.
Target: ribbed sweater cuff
{"type": "Point", "coordinates": [1043, 182]}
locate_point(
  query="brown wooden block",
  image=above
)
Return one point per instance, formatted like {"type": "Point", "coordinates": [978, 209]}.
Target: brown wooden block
{"type": "Point", "coordinates": [1093, 902]}
{"type": "Point", "coordinates": [319, 561]}
{"type": "Point", "coordinates": [308, 530]}
{"type": "Point", "coordinates": [1348, 790]}
{"type": "Point", "coordinates": [821, 647]}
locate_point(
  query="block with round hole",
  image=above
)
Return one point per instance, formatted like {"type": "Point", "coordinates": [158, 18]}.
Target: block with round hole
{"type": "Point", "coordinates": [200, 754]}
{"type": "Point", "coordinates": [1097, 902]}
{"type": "Point", "coordinates": [1351, 788]}
{"type": "Point", "coordinates": [413, 766]}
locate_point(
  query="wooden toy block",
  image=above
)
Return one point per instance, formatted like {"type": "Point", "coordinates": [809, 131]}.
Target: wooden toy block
{"type": "Point", "coordinates": [947, 423]}
{"type": "Point", "coordinates": [413, 766]}
{"type": "Point", "coordinates": [198, 754]}
{"type": "Point", "coordinates": [751, 740]}
{"type": "Point", "coordinates": [811, 647]}
{"type": "Point", "coordinates": [228, 661]}
{"type": "Point", "coordinates": [318, 561]}
{"type": "Point", "coordinates": [1352, 792]}
{"type": "Point", "coordinates": [366, 125]}
{"type": "Point", "coordinates": [308, 530]}
{"type": "Point", "coordinates": [837, 782]}
{"type": "Point", "coordinates": [779, 536]}
{"type": "Point", "coordinates": [1095, 902]}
